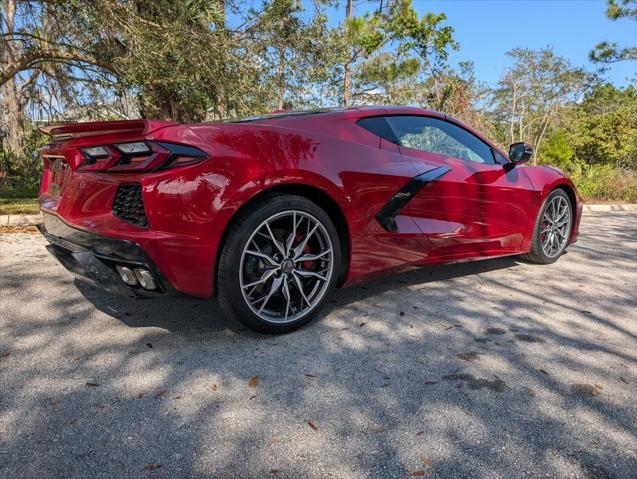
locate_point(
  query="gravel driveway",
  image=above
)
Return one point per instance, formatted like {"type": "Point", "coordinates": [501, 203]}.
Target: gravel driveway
{"type": "Point", "coordinates": [490, 369]}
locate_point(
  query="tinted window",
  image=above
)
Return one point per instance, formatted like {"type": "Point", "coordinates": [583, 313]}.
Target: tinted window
{"type": "Point", "coordinates": [503, 160]}
{"type": "Point", "coordinates": [378, 126]}
{"type": "Point", "coordinates": [441, 137]}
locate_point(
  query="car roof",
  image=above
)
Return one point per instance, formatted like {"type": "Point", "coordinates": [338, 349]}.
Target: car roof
{"type": "Point", "coordinates": [335, 113]}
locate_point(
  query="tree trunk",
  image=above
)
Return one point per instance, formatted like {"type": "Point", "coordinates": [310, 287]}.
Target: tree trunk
{"type": "Point", "coordinates": [221, 107]}
{"type": "Point", "coordinates": [347, 79]}
{"type": "Point", "coordinates": [12, 114]}
{"type": "Point", "coordinates": [281, 78]}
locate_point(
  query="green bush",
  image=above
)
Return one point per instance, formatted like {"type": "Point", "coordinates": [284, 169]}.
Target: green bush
{"type": "Point", "coordinates": [20, 174]}
{"type": "Point", "coordinates": [605, 182]}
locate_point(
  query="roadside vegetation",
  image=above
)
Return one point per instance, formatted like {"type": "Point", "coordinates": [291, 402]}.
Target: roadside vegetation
{"type": "Point", "coordinates": [16, 206]}
{"type": "Point", "coordinates": [207, 60]}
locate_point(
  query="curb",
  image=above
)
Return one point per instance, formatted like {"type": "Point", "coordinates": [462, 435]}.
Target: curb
{"type": "Point", "coordinates": [610, 207]}
{"type": "Point", "coordinates": [20, 220]}
{"type": "Point", "coordinates": [31, 220]}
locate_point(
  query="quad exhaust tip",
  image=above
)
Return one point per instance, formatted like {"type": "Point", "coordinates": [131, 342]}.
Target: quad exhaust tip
{"type": "Point", "coordinates": [136, 276]}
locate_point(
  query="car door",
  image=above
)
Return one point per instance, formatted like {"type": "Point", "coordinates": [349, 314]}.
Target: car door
{"type": "Point", "coordinates": [477, 206]}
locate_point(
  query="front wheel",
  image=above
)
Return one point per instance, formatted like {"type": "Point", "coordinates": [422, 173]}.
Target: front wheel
{"type": "Point", "coordinates": [278, 263]}
{"type": "Point", "coordinates": [552, 230]}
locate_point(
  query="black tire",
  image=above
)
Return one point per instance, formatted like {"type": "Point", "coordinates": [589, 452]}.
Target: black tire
{"type": "Point", "coordinates": [537, 253]}
{"type": "Point", "coordinates": [229, 293]}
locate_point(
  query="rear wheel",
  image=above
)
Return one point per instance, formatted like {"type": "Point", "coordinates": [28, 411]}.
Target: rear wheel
{"type": "Point", "coordinates": [279, 261]}
{"type": "Point", "coordinates": [552, 230]}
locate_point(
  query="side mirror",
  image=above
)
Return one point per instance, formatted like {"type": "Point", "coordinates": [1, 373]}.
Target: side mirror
{"type": "Point", "coordinates": [520, 152]}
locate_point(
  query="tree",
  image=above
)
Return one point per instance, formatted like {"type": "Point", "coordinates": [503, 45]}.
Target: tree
{"type": "Point", "coordinates": [557, 151]}
{"type": "Point", "coordinates": [531, 92]}
{"type": "Point", "coordinates": [602, 129]}
{"type": "Point", "coordinates": [43, 56]}
{"type": "Point", "coordinates": [611, 52]}
{"type": "Point", "coordinates": [390, 47]}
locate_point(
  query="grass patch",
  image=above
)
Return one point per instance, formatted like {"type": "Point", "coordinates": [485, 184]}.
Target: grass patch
{"type": "Point", "coordinates": [17, 206]}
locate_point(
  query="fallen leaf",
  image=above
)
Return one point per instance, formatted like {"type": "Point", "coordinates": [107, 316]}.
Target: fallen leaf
{"type": "Point", "coordinates": [251, 398]}
{"type": "Point", "coordinates": [55, 403]}
{"type": "Point", "coordinates": [471, 356]}
{"type": "Point", "coordinates": [402, 313]}
{"type": "Point", "coordinates": [177, 397]}
{"type": "Point", "coordinates": [426, 461]}
{"type": "Point", "coordinates": [420, 433]}
{"type": "Point", "coordinates": [599, 386]}
{"type": "Point", "coordinates": [140, 396]}
{"type": "Point", "coordinates": [419, 473]}
{"type": "Point", "coordinates": [6, 354]}
{"type": "Point", "coordinates": [253, 382]}
{"type": "Point", "coordinates": [431, 382]}
{"type": "Point", "coordinates": [585, 390]}
{"type": "Point", "coordinates": [275, 471]}
{"type": "Point", "coordinates": [92, 385]}
{"type": "Point", "coordinates": [270, 442]}
{"type": "Point", "coordinates": [344, 329]}
{"type": "Point", "coordinates": [72, 421]}
{"type": "Point", "coordinates": [152, 466]}
{"type": "Point", "coordinates": [308, 375]}
{"type": "Point", "coordinates": [544, 372]}
{"type": "Point", "coordinates": [312, 425]}
{"type": "Point", "coordinates": [446, 329]}
{"type": "Point", "coordinates": [362, 324]}
{"type": "Point", "coordinates": [150, 345]}
{"type": "Point", "coordinates": [377, 429]}
{"type": "Point", "coordinates": [161, 393]}
{"type": "Point", "coordinates": [623, 380]}
{"type": "Point", "coordinates": [214, 387]}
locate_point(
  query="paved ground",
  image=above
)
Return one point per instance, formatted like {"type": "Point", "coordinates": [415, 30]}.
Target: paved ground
{"type": "Point", "coordinates": [491, 369]}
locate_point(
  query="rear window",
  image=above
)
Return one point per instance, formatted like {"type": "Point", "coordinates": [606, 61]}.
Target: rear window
{"type": "Point", "coordinates": [283, 114]}
{"type": "Point", "coordinates": [379, 126]}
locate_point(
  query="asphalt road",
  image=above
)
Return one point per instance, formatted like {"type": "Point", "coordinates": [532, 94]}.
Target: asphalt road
{"type": "Point", "coordinates": [490, 369]}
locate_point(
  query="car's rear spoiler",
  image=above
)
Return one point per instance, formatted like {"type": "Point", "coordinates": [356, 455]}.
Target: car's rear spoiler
{"type": "Point", "coordinates": [95, 128]}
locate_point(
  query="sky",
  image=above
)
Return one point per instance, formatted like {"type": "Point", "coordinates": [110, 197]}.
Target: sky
{"type": "Point", "coordinates": [487, 29]}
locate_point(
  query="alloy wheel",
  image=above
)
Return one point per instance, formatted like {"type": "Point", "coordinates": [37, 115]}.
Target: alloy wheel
{"type": "Point", "coordinates": [556, 226]}
{"type": "Point", "coordinates": [286, 266]}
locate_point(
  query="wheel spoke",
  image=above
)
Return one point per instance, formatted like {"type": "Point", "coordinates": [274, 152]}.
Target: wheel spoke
{"type": "Point", "coordinates": [313, 257]}
{"type": "Point", "coordinates": [276, 284]}
{"type": "Point", "coordinates": [266, 276]}
{"type": "Point", "coordinates": [286, 295]}
{"type": "Point", "coordinates": [290, 240]}
{"type": "Point", "coordinates": [301, 246]}
{"type": "Point", "coordinates": [299, 286]}
{"type": "Point", "coordinates": [273, 239]}
{"type": "Point", "coordinates": [308, 274]}
{"type": "Point", "coordinates": [264, 256]}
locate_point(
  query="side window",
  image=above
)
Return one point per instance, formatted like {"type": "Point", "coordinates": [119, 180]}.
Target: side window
{"type": "Point", "coordinates": [503, 160]}
{"type": "Point", "coordinates": [378, 126]}
{"type": "Point", "coordinates": [441, 137]}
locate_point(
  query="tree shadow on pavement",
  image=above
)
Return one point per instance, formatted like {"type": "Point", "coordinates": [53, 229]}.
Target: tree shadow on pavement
{"type": "Point", "coordinates": [488, 369]}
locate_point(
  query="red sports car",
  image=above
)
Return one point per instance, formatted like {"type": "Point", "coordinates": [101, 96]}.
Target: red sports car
{"type": "Point", "coordinates": [267, 214]}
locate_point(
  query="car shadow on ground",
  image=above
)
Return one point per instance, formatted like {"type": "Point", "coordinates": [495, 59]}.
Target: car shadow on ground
{"type": "Point", "coordinates": [193, 315]}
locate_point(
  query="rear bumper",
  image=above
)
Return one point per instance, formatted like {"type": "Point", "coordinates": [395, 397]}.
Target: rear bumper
{"type": "Point", "coordinates": [92, 258]}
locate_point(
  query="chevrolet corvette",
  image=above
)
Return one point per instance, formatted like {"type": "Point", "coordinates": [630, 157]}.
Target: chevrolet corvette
{"type": "Point", "coordinates": [267, 214]}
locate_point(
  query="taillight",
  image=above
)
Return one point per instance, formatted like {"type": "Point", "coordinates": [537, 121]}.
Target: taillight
{"type": "Point", "coordinates": [139, 156]}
